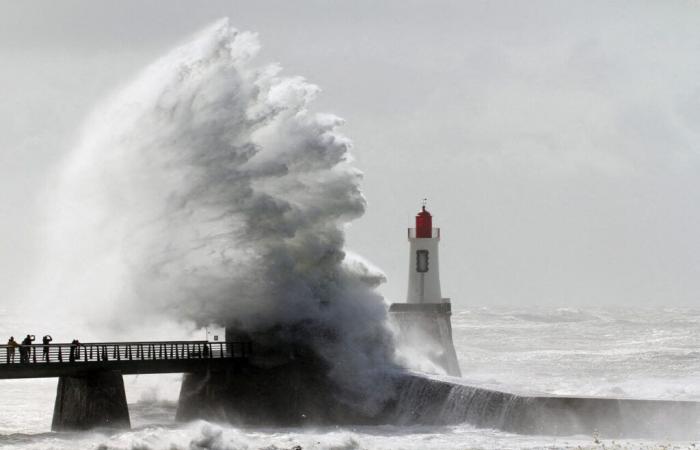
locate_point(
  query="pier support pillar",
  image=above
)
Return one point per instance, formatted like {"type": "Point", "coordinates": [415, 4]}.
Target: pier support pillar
{"type": "Point", "coordinates": [95, 399]}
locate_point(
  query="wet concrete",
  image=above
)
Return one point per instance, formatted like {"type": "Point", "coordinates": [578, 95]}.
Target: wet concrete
{"type": "Point", "coordinates": [91, 400]}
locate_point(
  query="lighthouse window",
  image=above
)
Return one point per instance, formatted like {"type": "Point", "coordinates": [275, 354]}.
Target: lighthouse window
{"type": "Point", "coordinates": [422, 261]}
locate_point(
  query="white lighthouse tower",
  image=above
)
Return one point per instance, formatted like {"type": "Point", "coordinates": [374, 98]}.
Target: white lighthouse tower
{"type": "Point", "coordinates": [424, 320]}
{"type": "Point", "coordinates": [423, 261]}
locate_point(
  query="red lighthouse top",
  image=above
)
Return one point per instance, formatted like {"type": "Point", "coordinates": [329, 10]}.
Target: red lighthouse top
{"type": "Point", "coordinates": [424, 224]}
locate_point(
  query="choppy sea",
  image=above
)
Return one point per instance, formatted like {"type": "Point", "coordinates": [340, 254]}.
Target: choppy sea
{"type": "Point", "coordinates": [638, 353]}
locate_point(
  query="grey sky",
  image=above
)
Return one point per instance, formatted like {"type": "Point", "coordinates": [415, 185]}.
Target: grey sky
{"type": "Point", "coordinates": [558, 143]}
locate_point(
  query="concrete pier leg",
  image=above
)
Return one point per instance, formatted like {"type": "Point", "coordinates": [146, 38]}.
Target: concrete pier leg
{"type": "Point", "coordinates": [92, 400]}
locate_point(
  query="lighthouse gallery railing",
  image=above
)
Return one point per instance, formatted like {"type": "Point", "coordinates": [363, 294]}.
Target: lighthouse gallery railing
{"type": "Point", "coordinates": [412, 233]}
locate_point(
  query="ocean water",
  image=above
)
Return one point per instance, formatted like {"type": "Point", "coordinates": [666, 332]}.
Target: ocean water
{"type": "Point", "coordinates": [641, 353]}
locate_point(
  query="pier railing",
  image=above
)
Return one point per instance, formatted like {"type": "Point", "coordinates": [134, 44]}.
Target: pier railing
{"type": "Point", "coordinates": [122, 351]}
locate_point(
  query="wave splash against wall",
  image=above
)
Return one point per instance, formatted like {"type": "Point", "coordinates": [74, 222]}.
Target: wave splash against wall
{"type": "Point", "coordinates": [205, 191]}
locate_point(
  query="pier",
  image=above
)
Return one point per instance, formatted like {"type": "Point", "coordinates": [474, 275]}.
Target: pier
{"type": "Point", "coordinates": [90, 390]}
{"type": "Point", "coordinates": [280, 384]}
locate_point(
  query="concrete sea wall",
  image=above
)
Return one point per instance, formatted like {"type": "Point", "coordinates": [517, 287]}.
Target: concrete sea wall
{"type": "Point", "coordinates": [287, 395]}
{"type": "Point", "coordinates": [422, 400]}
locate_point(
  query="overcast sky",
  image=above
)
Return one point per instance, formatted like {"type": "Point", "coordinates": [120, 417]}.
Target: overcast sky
{"type": "Point", "coordinates": [558, 143]}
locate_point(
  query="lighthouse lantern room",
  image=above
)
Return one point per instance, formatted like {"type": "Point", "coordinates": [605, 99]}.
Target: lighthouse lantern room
{"type": "Point", "coordinates": [424, 268]}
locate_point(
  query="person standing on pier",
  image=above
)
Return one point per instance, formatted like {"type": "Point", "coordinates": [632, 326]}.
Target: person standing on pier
{"type": "Point", "coordinates": [74, 350]}
{"type": "Point", "coordinates": [11, 346]}
{"type": "Point", "coordinates": [25, 349]}
{"type": "Point", "coordinates": [46, 340]}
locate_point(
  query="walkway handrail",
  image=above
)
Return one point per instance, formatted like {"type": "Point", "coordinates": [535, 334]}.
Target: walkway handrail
{"type": "Point", "coordinates": [39, 353]}
{"type": "Point", "coordinates": [121, 343]}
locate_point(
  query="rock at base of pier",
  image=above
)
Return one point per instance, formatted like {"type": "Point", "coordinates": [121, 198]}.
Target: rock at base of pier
{"type": "Point", "coordinates": [92, 400]}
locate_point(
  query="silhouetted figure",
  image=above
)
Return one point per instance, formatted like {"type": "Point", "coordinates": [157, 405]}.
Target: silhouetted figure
{"type": "Point", "coordinates": [22, 353]}
{"type": "Point", "coordinates": [11, 346]}
{"type": "Point", "coordinates": [46, 340]}
{"type": "Point", "coordinates": [26, 348]}
{"type": "Point", "coordinates": [74, 350]}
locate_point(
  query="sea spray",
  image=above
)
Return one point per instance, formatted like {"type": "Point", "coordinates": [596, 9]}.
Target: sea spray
{"type": "Point", "coordinates": [204, 192]}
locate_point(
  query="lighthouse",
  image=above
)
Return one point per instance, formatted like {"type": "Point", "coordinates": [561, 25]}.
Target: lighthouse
{"type": "Point", "coordinates": [423, 261]}
{"type": "Point", "coordinates": [424, 321]}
